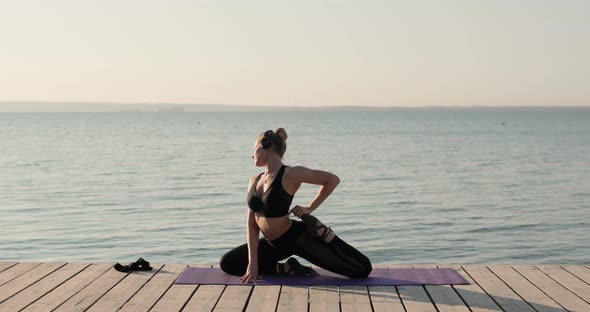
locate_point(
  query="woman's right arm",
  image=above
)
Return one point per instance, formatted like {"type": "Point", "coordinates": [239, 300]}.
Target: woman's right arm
{"type": "Point", "coordinates": [253, 232]}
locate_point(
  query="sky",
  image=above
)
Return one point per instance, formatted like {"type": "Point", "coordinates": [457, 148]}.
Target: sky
{"type": "Point", "coordinates": [297, 53]}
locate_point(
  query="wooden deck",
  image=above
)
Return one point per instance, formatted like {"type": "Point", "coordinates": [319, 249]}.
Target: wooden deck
{"type": "Point", "coordinates": [81, 286]}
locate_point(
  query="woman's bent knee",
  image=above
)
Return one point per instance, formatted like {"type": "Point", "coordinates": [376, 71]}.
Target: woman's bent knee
{"type": "Point", "coordinates": [361, 273]}
{"type": "Point", "coordinates": [364, 271]}
{"type": "Point", "coordinates": [226, 265]}
{"type": "Point", "coordinates": [223, 263]}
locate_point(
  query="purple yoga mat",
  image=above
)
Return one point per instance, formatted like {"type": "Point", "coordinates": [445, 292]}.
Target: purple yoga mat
{"type": "Point", "coordinates": [378, 277]}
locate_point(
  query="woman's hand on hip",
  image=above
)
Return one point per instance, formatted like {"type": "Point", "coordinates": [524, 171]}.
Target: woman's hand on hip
{"type": "Point", "coordinates": [299, 210]}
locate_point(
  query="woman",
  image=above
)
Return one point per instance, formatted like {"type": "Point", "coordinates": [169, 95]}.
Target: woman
{"type": "Point", "coordinates": [269, 197]}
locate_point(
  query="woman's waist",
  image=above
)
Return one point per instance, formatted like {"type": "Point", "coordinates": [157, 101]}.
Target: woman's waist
{"type": "Point", "coordinates": [273, 228]}
{"type": "Point", "coordinates": [288, 234]}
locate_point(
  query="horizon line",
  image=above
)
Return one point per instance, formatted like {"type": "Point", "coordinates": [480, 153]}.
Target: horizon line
{"type": "Point", "coordinates": [179, 105]}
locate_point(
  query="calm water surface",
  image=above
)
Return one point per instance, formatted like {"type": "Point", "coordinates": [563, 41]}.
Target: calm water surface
{"type": "Point", "coordinates": [416, 186]}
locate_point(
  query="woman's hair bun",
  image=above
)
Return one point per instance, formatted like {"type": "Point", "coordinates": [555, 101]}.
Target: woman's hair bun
{"type": "Point", "coordinates": [282, 133]}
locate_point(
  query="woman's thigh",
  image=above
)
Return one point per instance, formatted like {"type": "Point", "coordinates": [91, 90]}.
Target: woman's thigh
{"type": "Point", "coordinates": [235, 261]}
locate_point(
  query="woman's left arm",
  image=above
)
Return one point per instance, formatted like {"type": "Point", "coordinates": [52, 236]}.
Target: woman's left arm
{"type": "Point", "coordinates": [327, 180]}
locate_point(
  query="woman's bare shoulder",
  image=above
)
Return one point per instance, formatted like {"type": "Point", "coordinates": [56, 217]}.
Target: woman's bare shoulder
{"type": "Point", "coordinates": [309, 175]}
{"type": "Point", "coordinates": [252, 179]}
{"type": "Point", "coordinates": [296, 170]}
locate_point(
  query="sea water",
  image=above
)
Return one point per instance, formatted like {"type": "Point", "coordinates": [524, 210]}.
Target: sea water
{"type": "Point", "coordinates": [440, 187]}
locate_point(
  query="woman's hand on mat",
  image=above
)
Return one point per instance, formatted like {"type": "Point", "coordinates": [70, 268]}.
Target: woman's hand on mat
{"type": "Point", "coordinates": [251, 274]}
{"type": "Point", "coordinates": [299, 210]}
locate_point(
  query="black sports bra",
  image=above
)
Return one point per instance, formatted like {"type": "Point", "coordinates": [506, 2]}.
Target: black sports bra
{"type": "Point", "coordinates": [274, 202]}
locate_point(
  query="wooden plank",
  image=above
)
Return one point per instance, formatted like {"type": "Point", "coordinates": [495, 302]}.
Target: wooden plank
{"type": "Point", "coordinates": [234, 298]}
{"type": "Point", "coordinates": [155, 288]}
{"type": "Point", "coordinates": [552, 288]}
{"type": "Point", "coordinates": [176, 296]}
{"type": "Point", "coordinates": [15, 271]}
{"type": "Point", "coordinates": [264, 298]}
{"type": "Point", "coordinates": [6, 265]}
{"type": "Point", "coordinates": [414, 298]}
{"type": "Point", "coordinates": [579, 271]}
{"type": "Point", "coordinates": [399, 266]}
{"type": "Point", "coordinates": [424, 266]}
{"type": "Point", "coordinates": [293, 298]}
{"type": "Point", "coordinates": [42, 287]}
{"type": "Point", "coordinates": [445, 298]}
{"type": "Point", "coordinates": [323, 297]}
{"type": "Point", "coordinates": [205, 298]}
{"type": "Point", "coordinates": [476, 298]}
{"type": "Point", "coordinates": [27, 279]}
{"type": "Point", "coordinates": [124, 290]}
{"type": "Point", "coordinates": [385, 298]}
{"type": "Point", "coordinates": [72, 286]}
{"type": "Point", "coordinates": [94, 291]}
{"type": "Point", "coordinates": [568, 280]}
{"type": "Point", "coordinates": [536, 298]}
{"type": "Point", "coordinates": [497, 289]}
{"type": "Point", "coordinates": [355, 298]}
{"type": "Point", "coordinates": [34, 286]}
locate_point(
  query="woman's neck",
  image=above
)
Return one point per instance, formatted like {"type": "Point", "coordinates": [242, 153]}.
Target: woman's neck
{"type": "Point", "coordinates": [273, 167]}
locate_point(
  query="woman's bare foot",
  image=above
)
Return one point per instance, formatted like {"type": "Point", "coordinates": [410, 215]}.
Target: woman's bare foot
{"type": "Point", "coordinates": [321, 230]}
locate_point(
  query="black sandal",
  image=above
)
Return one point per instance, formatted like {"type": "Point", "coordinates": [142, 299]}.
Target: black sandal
{"type": "Point", "coordinates": [139, 265]}
{"type": "Point", "coordinates": [143, 265]}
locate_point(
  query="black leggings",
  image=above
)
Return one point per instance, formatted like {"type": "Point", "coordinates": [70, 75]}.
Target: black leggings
{"type": "Point", "coordinates": [336, 256]}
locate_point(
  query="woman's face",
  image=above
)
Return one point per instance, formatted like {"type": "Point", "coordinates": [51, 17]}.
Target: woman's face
{"type": "Point", "coordinates": [259, 155]}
